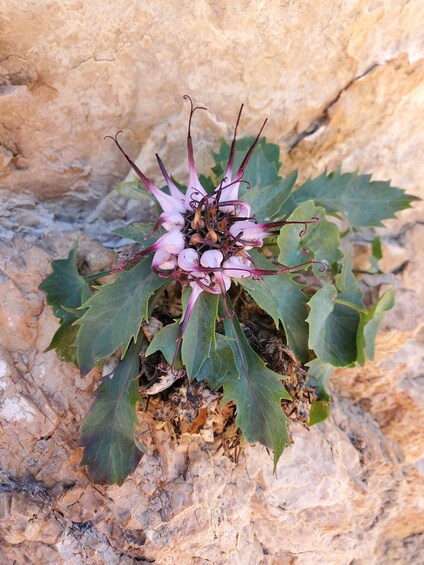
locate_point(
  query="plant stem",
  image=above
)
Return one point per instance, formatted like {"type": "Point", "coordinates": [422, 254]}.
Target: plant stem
{"type": "Point", "coordinates": [351, 305]}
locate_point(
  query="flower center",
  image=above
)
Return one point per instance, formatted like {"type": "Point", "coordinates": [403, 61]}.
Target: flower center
{"type": "Point", "coordinates": [207, 227]}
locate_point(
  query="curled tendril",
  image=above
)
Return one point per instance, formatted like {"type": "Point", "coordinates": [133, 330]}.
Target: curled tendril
{"type": "Point", "coordinates": [193, 108]}
{"type": "Point", "coordinates": [323, 264]}
{"type": "Point", "coordinates": [114, 137]}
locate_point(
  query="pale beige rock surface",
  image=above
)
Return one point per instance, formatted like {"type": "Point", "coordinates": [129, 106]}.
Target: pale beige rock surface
{"type": "Point", "coordinates": [342, 83]}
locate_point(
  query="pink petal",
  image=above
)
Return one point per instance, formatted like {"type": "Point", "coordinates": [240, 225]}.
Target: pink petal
{"type": "Point", "coordinates": [173, 242]}
{"type": "Point", "coordinates": [251, 231]}
{"type": "Point", "coordinates": [171, 221]}
{"type": "Point", "coordinates": [212, 258]}
{"type": "Point", "coordinates": [162, 259]}
{"type": "Point", "coordinates": [188, 260]}
{"type": "Point", "coordinates": [237, 267]}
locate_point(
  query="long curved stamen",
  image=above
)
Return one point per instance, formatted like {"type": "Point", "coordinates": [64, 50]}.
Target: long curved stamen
{"type": "Point", "coordinates": [249, 185]}
{"type": "Point", "coordinates": [194, 185]}
{"type": "Point", "coordinates": [248, 155]}
{"type": "Point", "coordinates": [168, 203]}
{"type": "Point", "coordinates": [231, 190]}
{"type": "Point", "coordinates": [230, 164]}
{"type": "Point", "coordinates": [173, 189]}
{"type": "Point", "coordinates": [282, 223]}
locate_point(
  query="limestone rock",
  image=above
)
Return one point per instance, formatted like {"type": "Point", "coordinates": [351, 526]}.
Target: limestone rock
{"type": "Point", "coordinates": [342, 84]}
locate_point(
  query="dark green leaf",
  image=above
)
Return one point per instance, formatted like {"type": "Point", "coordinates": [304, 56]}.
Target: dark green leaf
{"type": "Point", "coordinates": [220, 366]}
{"type": "Point", "coordinates": [376, 254]}
{"type": "Point", "coordinates": [111, 451]}
{"type": "Point", "coordinates": [263, 166]}
{"type": "Point", "coordinates": [114, 314]}
{"type": "Point", "coordinates": [319, 412]}
{"type": "Point", "coordinates": [332, 328]}
{"type": "Point", "coordinates": [257, 393]}
{"type": "Point", "coordinates": [165, 341]}
{"type": "Point", "coordinates": [322, 239]}
{"type": "Point", "coordinates": [64, 342]}
{"type": "Point", "coordinates": [320, 373]}
{"type": "Point", "coordinates": [369, 325]}
{"type": "Point", "coordinates": [347, 284]}
{"type": "Point", "coordinates": [65, 287]}
{"type": "Point", "coordinates": [266, 202]}
{"type": "Point", "coordinates": [282, 298]}
{"type": "Point", "coordinates": [361, 201]}
{"type": "Point", "coordinates": [207, 183]}
{"type": "Point", "coordinates": [139, 232]}
{"type": "Point", "coordinates": [199, 333]}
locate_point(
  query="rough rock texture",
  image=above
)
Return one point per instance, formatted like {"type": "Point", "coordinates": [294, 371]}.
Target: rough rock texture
{"type": "Point", "coordinates": [342, 83]}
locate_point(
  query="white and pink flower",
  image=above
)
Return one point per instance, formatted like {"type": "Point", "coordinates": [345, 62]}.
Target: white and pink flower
{"type": "Point", "coordinates": [208, 235]}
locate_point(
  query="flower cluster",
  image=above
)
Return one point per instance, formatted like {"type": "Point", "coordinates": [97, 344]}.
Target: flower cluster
{"type": "Point", "coordinates": [208, 235]}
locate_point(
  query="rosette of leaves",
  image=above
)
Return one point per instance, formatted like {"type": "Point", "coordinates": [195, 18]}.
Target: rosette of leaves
{"type": "Point", "coordinates": [208, 239]}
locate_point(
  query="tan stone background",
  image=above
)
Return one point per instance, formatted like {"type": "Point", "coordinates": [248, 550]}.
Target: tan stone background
{"type": "Point", "coordinates": [342, 83]}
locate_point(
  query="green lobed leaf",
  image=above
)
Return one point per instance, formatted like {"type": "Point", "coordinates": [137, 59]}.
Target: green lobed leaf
{"type": "Point", "coordinates": [322, 239]}
{"type": "Point", "coordinates": [220, 366]}
{"type": "Point", "coordinates": [332, 327]}
{"type": "Point", "coordinates": [165, 341]}
{"type": "Point", "coordinates": [347, 284]}
{"type": "Point", "coordinates": [111, 451]}
{"type": "Point", "coordinates": [362, 202]}
{"type": "Point", "coordinates": [139, 232]}
{"type": "Point", "coordinates": [263, 166]}
{"type": "Point", "coordinates": [64, 342]}
{"type": "Point", "coordinates": [369, 324]}
{"type": "Point", "coordinates": [207, 183]}
{"type": "Point", "coordinates": [282, 298]}
{"type": "Point", "coordinates": [266, 202]}
{"type": "Point", "coordinates": [320, 373]}
{"type": "Point", "coordinates": [319, 412]}
{"type": "Point", "coordinates": [114, 314]}
{"type": "Point", "coordinates": [257, 393]}
{"type": "Point", "coordinates": [199, 333]}
{"type": "Point", "coordinates": [65, 287]}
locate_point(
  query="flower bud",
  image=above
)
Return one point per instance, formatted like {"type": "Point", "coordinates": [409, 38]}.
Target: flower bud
{"type": "Point", "coordinates": [212, 258]}
{"type": "Point", "coordinates": [171, 221]}
{"type": "Point", "coordinates": [173, 242]}
{"type": "Point", "coordinates": [234, 267]}
{"type": "Point", "coordinates": [162, 259]}
{"type": "Point", "coordinates": [188, 259]}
